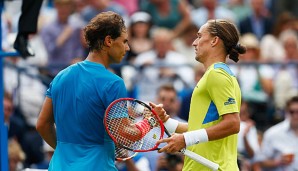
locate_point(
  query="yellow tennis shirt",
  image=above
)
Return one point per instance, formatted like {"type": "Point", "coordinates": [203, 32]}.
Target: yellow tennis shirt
{"type": "Point", "coordinates": [216, 94]}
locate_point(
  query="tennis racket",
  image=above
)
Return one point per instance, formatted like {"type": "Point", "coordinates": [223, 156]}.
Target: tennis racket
{"type": "Point", "coordinates": [134, 126]}
{"type": "Point", "coordinates": [122, 154]}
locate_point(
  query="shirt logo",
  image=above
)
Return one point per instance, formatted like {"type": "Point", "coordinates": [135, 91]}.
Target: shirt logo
{"type": "Point", "coordinates": [230, 101]}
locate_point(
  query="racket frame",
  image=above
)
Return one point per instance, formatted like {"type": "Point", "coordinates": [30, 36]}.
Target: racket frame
{"type": "Point", "coordinates": [143, 104]}
{"type": "Point", "coordinates": [196, 157]}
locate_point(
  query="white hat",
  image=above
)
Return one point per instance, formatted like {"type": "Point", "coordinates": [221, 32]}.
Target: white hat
{"type": "Point", "coordinates": [140, 17]}
{"type": "Point", "coordinates": [250, 41]}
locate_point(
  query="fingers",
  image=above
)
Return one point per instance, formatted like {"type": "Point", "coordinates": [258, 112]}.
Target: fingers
{"type": "Point", "coordinates": [163, 140]}
{"type": "Point", "coordinates": [159, 111]}
{"type": "Point", "coordinates": [169, 149]}
{"type": "Point", "coordinates": [153, 105]}
{"type": "Point", "coordinates": [166, 147]}
{"type": "Point", "coordinates": [174, 144]}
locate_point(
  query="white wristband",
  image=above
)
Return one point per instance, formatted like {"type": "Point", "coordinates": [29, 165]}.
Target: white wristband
{"type": "Point", "coordinates": [195, 137]}
{"type": "Point", "coordinates": [171, 125]}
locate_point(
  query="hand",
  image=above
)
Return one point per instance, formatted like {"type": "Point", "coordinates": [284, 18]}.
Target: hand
{"type": "Point", "coordinates": [160, 111]}
{"type": "Point", "coordinates": [174, 143]}
{"type": "Point", "coordinates": [287, 159]}
{"type": "Point", "coordinates": [65, 35]}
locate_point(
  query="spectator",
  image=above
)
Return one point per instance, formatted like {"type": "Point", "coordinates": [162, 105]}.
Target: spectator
{"type": "Point", "coordinates": [16, 156]}
{"type": "Point", "coordinates": [16, 126]}
{"type": "Point", "coordinates": [61, 39]}
{"type": "Point", "coordinates": [27, 90]}
{"type": "Point", "coordinates": [166, 95]}
{"type": "Point", "coordinates": [270, 45]}
{"type": "Point", "coordinates": [26, 87]}
{"type": "Point", "coordinates": [248, 144]}
{"type": "Point", "coordinates": [130, 6]}
{"type": "Point", "coordinates": [95, 7]}
{"type": "Point", "coordinates": [211, 10]}
{"type": "Point", "coordinates": [240, 8]}
{"type": "Point", "coordinates": [289, 40]}
{"type": "Point", "coordinates": [256, 81]}
{"type": "Point", "coordinates": [277, 7]}
{"type": "Point", "coordinates": [170, 14]}
{"type": "Point", "coordinates": [286, 72]}
{"type": "Point", "coordinates": [183, 43]}
{"type": "Point", "coordinates": [76, 17]}
{"type": "Point", "coordinates": [279, 147]}
{"type": "Point", "coordinates": [259, 22]}
{"type": "Point", "coordinates": [139, 34]}
{"type": "Point", "coordinates": [140, 41]}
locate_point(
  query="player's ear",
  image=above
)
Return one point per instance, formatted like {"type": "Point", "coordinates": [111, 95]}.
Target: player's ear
{"type": "Point", "coordinates": [108, 41]}
{"type": "Point", "coordinates": [214, 41]}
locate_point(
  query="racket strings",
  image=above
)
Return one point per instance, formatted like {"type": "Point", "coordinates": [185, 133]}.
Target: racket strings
{"type": "Point", "coordinates": [122, 153]}
{"type": "Point", "coordinates": [121, 119]}
{"type": "Point", "coordinates": [120, 122]}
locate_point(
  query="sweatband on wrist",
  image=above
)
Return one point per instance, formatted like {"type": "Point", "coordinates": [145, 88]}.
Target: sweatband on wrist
{"type": "Point", "coordinates": [171, 125]}
{"type": "Point", "coordinates": [195, 137]}
{"type": "Point", "coordinates": [144, 127]}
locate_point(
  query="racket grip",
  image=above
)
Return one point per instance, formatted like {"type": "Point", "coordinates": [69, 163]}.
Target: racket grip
{"type": "Point", "coordinates": [200, 159]}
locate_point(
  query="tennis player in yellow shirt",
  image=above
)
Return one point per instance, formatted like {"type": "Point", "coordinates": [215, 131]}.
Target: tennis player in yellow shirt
{"type": "Point", "coordinates": [214, 121]}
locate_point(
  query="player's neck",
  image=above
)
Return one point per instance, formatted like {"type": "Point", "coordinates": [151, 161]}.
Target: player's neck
{"type": "Point", "coordinates": [214, 56]}
{"type": "Point", "coordinates": [213, 60]}
{"type": "Point", "coordinates": [98, 57]}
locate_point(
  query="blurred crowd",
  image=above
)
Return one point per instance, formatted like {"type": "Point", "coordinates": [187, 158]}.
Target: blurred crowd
{"type": "Point", "coordinates": [160, 67]}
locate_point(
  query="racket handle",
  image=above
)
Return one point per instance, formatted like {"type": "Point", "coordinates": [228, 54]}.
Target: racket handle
{"type": "Point", "coordinates": [200, 159]}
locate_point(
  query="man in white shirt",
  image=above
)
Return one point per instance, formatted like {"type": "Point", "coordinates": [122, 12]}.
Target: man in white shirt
{"type": "Point", "coordinates": [279, 150]}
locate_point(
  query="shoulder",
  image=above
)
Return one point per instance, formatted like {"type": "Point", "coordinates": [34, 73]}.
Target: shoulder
{"type": "Point", "coordinates": [222, 68]}
{"type": "Point", "coordinates": [220, 75]}
{"type": "Point", "coordinates": [276, 129]}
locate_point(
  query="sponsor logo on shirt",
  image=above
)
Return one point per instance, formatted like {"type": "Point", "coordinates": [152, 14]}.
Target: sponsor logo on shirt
{"type": "Point", "coordinates": [230, 101]}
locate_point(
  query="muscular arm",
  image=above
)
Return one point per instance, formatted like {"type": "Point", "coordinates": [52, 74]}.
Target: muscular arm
{"type": "Point", "coordinates": [228, 126]}
{"type": "Point", "coordinates": [45, 123]}
{"type": "Point", "coordinates": [182, 127]}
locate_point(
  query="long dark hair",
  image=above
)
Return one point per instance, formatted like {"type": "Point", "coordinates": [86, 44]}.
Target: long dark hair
{"type": "Point", "coordinates": [228, 32]}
